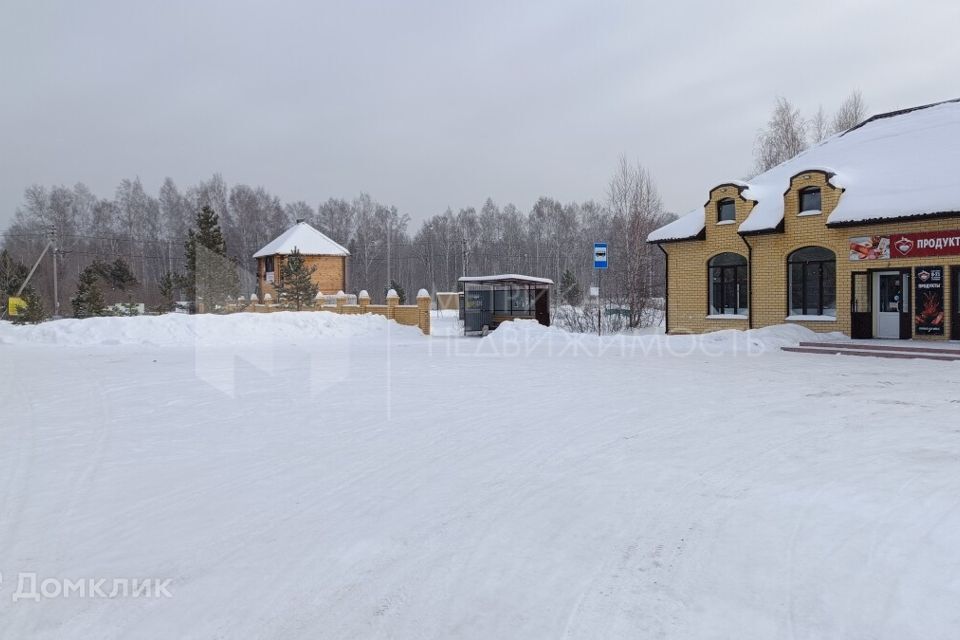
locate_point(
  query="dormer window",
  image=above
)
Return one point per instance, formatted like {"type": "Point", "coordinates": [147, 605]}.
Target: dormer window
{"type": "Point", "coordinates": [810, 200]}
{"type": "Point", "coordinates": [726, 210]}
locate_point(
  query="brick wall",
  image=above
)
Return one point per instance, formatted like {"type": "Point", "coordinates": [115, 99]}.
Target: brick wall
{"type": "Point", "coordinates": [330, 275]}
{"type": "Point", "coordinates": [417, 315]}
{"type": "Point", "coordinates": [688, 293]}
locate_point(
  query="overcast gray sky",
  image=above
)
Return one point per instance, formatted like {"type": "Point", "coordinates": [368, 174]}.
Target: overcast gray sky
{"type": "Point", "coordinates": [433, 104]}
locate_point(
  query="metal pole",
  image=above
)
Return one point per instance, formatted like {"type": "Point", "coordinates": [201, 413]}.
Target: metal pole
{"type": "Point", "coordinates": [35, 265]}
{"type": "Point", "coordinates": [56, 295]}
{"type": "Point", "coordinates": [599, 306]}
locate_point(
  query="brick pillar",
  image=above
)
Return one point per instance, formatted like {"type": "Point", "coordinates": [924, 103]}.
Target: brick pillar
{"type": "Point", "coordinates": [423, 311]}
{"type": "Point", "coordinates": [363, 300]}
{"type": "Point", "coordinates": [341, 301]}
{"type": "Point", "coordinates": [318, 301]}
{"type": "Point", "coordinates": [393, 299]}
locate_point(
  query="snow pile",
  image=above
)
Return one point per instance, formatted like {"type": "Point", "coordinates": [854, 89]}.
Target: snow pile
{"type": "Point", "coordinates": [522, 336]}
{"type": "Point", "coordinates": [892, 166]}
{"type": "Point", "coordinates": [174, 329]}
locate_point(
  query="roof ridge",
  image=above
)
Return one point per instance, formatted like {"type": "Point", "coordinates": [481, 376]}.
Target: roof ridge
{"type": "Point", "coordinates": [898, 112]}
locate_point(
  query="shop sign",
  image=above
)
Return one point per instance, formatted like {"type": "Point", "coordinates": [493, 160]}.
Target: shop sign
{"type": "Point", "coordinates": [905, 245]}
{"type": "Point", "coordinates": [929, 301]}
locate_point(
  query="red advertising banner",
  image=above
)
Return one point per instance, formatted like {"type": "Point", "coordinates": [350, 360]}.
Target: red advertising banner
{"type": "Point", "coordinates": [906, 245]}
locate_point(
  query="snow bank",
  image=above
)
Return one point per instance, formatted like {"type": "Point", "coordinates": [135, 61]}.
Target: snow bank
{"type": "Point", "coordinates": [529, 333]}
{"type": "Point", "coordinates": [210, 330]}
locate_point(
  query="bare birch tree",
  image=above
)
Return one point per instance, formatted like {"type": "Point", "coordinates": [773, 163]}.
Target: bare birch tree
{"type": "Point", "coordinates": [851, 113]}
{"type": "Point", "coordinates": [784, 136]}
{"type": "Point", "coordinates": [637, 210]}
{"type": "Point", "coordinates": [819, 126]}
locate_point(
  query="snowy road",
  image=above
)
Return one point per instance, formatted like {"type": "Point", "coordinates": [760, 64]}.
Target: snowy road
{"type": "Point", "coordinates": [379, 484]}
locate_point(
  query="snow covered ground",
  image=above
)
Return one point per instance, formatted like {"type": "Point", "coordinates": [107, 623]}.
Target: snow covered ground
{"type": "Point", "coordinates": [320, 476]}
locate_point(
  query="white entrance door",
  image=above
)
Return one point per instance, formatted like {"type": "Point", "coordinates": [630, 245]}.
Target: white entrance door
{"type": "Point", "coordinates": [888, 297]}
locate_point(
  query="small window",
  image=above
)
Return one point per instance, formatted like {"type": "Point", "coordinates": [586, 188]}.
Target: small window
{"type": "Point", "coordinates": [810, 199]}
{"type": "Point", "coordinates": [726, 210]}
{"type": "Point", "coordinates": [268, 264]}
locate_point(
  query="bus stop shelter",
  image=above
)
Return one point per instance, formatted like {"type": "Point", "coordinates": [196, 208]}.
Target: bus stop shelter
{"type": "Point", "coordinates": [487, 301]}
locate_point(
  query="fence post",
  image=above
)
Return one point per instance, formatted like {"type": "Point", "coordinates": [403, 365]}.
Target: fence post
{"type": "Point", "coordinates": [364, 300]}
{"type": "Point", "coordinates": [318, 301]}
{"type": "Point", "coordinates": [341, 301]}
{"type": "Point", "coordinates": [423, 311]}
{"type": "Point", "coordinates": [393, 299]}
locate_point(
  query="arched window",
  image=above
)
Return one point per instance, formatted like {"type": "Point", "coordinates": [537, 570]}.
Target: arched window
{"type": "Point", "coordinates": [726, 210]}
{"type": "Point", "coordinates": [813, 282]}
{"type": "Point", "coordinates": [728, 284]}
{"type": "Point", "coordinates": [810, 200]}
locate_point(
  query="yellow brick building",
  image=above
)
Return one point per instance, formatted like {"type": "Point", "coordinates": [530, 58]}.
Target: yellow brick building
{"type": "Point", "coordinates": [318, 250]}
{"type": "Point", "coordinates": [858, 234]}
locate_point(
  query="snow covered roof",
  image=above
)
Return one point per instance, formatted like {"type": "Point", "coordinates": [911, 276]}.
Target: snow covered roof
{"type": "Point", "coordinates": [305, 238]}
{"type": "Point", "coordinates": [506, 276]}
{"type": "Point", "coordinates": [894, 165]}
{"type": "Point", "coordinates": [689, 225]}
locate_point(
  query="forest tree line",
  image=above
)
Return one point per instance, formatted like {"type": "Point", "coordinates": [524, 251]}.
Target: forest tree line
{"type": "Point", "coordinates": [148, 233]}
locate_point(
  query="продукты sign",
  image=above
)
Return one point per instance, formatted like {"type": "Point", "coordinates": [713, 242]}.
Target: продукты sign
{"type": "Point", "coordinates": [905, 245]}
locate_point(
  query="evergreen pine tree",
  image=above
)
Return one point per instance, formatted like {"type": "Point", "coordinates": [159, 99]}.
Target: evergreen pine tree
{"type": "Point", "coordinates": [12, 274]}
{"type": "Point", "coordinates": [167, 287]}
{"type": "Point", "coordinates": [211, 275]}
{"type": "Point", "coordinates": [296, 282]}
{"type": "Point", "coordinates": [400, 292]}
{"type": "Point", "coordinates": [570, 291]}
{"type": "Point", "coordinates": [88, 300]}
{"type": "Point", "coordinates": [116, 274]}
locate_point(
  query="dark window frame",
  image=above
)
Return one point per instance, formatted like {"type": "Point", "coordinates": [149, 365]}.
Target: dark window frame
{"type": "Point", "coordinates": [808, 192]}
{"type": "Point", "coordinates": [810, 269]}
{"type": "Point", "coordinates": [739, 280]}
{"type": "Point", "coordinates": [721, 205]}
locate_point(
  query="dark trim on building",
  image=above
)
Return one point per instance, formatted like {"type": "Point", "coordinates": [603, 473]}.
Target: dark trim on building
{"type": "Point", "coordinates": [826, 174]}
{"type": "Point", "coordinates": [666, 288]}
{"type": "Point", "coordinates": [920, 217]}
{"type": "Point", "coordinates": [749, 282]}
{"type": "Point", "coordinates": [891, 114]}
{"type": "Point", "coordinates": [762, 232]}
{"type": "Point", "coordinates": [700, 236]}
{"type": "Point", "coordinates": [739, 187]}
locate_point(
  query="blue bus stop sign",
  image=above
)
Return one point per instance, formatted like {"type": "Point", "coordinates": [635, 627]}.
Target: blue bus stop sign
{"type": "Point", "coordinates": [599, 255]}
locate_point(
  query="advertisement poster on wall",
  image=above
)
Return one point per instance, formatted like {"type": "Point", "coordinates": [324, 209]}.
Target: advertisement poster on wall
{"type": "Point", "coordinates": [905, 245]}
{"type": "Point", "coordinates": [929, 301]}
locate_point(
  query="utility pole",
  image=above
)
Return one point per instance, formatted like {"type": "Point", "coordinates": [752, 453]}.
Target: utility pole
{"type": "Point", "coordinates": [463, 251]}
{"type": "Point", "coordinates": [389, 270]}
{"type": "Point", "coordinates": [56, 293]}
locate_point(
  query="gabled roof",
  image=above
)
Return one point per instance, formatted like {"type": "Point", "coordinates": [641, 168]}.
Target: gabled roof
{"type": "Point", "coordinates": [895, 165]}
{"type": "Point", "coordinates": [308, 240]}
{"type": "Point", "coordinates": [509, 277]}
